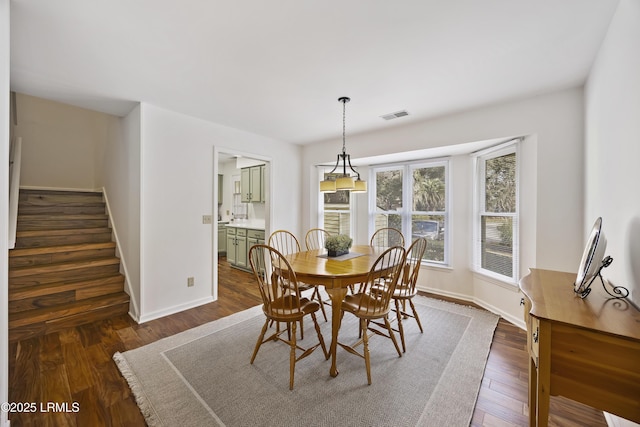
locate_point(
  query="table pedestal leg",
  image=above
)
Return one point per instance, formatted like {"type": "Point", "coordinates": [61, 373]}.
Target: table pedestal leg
{"type": "Point", "coordinates": [336, 295]}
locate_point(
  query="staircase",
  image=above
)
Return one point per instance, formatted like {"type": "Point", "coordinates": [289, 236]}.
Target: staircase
{"type": "Point", "coordinates": [63, 271]}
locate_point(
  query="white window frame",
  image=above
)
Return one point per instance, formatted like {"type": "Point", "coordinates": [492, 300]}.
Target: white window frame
{"type": "Point", "coordinates": [480, 159]}
{"type": "Point", "coordinates": [352, 214]}
{"type": "Point", "coordinates": [407, 203]}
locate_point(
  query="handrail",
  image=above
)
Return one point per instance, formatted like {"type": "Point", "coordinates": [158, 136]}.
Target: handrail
{"type": "Point", "coordinates": [15, 156]}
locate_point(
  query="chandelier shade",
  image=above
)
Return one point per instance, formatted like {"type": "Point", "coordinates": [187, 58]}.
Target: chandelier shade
{"type": "Point", "coordinates": [345, 183]}
{"type": "Point", "coordinates": [361, 186]}
{"type": "Point", "coordinates": [347, 180]}
{"type": "Point", "coordinates": [327, 186]}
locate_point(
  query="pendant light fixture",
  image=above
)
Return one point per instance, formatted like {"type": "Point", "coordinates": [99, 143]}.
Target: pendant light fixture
{"type": "Point", "coordinates": [349, 181]}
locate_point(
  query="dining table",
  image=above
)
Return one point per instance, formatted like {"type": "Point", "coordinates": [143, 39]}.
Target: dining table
{"type": "Point", "coordinates": [336, 274]}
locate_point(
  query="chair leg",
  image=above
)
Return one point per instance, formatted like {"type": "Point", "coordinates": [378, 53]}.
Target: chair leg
{"type": "Point", "coordinates": [316, 293]}
{"type": "Point", "coordinates": [367, 355]}
{"type": "Point", "coordinates": [400, 327]}
{"type": "Point", "coordinates": [292, 357]}
{"type": "Point", "coordinates": [391, 335]}
{"type": "Point", "coordinates": [320, 338]}
{"type": "Point", "coordinates": [415, 315]}
{"type": "Point", "coordinates": [301, 330]}
{"type": "Point", "coordinates": [289, 330]}
{"type": "Point", "coordinates": [260, 338]}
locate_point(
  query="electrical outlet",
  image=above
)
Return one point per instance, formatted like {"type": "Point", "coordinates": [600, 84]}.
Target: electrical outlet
{"type": "Point", "coordinates": [206, 219]}
{"type": "Point", "coordinates": [190, 281]}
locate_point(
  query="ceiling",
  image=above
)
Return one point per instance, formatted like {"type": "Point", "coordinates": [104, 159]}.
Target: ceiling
{"type": "Point", "coordinates": [277, 68]}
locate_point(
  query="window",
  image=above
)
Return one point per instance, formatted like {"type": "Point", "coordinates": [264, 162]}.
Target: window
{"type": "Point", "coordinates": [428, 216]}
{"type": "Point", "coordinates": [496, 219]}
{"type": "Point", "coordinates": [388, 201]}
{"type": "Point", "coordinates": [413, 199]}
{"type": "Point", "coordinates": [336, 212]}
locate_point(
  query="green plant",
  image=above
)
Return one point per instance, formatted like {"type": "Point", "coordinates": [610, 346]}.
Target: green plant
{"type": "Point", "coordinates": [506, 233]}
{"type": "Point", "coordinates": [341, 242]}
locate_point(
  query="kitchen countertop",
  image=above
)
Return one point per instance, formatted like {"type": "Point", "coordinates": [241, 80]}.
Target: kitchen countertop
{"type": "Point", "coordinates": [251, 224]}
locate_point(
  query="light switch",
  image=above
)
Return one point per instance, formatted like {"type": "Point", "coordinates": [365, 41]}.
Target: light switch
{"type": "Point", "coordinates": [206, 219]}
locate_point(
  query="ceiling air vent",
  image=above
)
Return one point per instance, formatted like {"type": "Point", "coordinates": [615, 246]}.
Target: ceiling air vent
{"type": "Point", "coordinates": [395, 115]}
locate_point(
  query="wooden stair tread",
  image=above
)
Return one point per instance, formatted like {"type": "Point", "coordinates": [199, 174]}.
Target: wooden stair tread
{"type": "Point", "coordinates": [61, 217]}
{"type": "Point", "coordinates": [61, 224]}
{"type": "Point", "coordinates": [63, 266]}
{"type": "Point", "coordinates": [43, 328]}
{"type": "Point", "coordinates": [61, 202]}
{"type": "Point", "coordinates": [20, 252]}
{"type": "Point", "coordinates": [62, 232]}
{"type": "Point", "coordinates": [22, 292]}
{"type": "Point", "coordinates": [58, 197]}
{"type": "Point", "coordinates": [44, 240]}
{"type": "Point", "coordinates": [58, 251]}
{"type": "Point", "coordinates": [59, 312]}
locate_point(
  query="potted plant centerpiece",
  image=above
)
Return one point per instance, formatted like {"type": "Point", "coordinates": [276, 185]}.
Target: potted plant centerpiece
{"type": "Point", "coordinates": [338, 245]}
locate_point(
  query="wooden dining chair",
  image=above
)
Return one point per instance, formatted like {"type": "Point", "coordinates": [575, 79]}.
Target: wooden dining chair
{"type": "Point", "coordinates": [373, 302]}
{"type": "Point", "coordinates": [286, 243]}
{"type": "Point", "coordinates": [384, 238]}
{"type": "Point", "coordinates": [273, 274]}
{"type": "Point", "coordinates": [387, 237]}
{"type": "Point", "coordinates": [314, 239]}
{"type": "Point", "coordinates": [406, 287]}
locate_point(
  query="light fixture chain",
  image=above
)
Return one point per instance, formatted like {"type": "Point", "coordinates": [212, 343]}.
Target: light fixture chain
{"type": "Point", "coordinates": [344, 120]}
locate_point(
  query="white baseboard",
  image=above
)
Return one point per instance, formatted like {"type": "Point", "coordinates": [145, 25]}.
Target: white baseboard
{"type": "Point", "coordinates": [615, 421]}
{"type": "Point", "coordinates": [508, 317]}
{"type": "Point", "coordinates": [145, 317]}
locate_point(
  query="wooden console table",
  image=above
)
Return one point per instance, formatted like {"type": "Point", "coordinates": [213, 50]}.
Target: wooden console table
{"type": "Point", "coordinates": [587, 350]}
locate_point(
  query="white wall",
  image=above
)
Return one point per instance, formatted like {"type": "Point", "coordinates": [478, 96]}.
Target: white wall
{"type": "Point", "coordinates": [4, 203]}
{"type": "Point", "coordinates": [62, 145]}
{"type": "Point", "coordinates": [612, 112]}
{"type": "Point", "coordinates": [177, 159]}
{"type": "Point", "coordinates": [613, 146]}
{"type": "Point", "coordinates": [121, 179]}
{"type": "Point", "coordinates": [551, 216]}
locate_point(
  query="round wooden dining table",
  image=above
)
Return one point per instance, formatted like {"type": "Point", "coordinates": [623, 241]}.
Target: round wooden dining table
{"type": "Point", "coordinates": [336, 275]}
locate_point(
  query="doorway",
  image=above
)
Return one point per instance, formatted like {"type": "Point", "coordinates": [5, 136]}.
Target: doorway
{"type": "Point", "coordinates": [237, 211]}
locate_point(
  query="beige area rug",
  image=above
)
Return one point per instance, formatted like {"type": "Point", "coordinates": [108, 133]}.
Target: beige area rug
{"type": "Point", "coordinates": [202, 376]}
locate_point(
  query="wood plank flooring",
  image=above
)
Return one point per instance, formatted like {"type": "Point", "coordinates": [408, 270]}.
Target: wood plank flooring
{"type": "Point", "coordinates": [75, 365]}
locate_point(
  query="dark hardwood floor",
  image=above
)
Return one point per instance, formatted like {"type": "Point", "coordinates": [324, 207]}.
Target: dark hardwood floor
{"type": "Point", "coordinates": [75, 365]}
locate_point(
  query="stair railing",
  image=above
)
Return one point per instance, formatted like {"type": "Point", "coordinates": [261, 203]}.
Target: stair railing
{"type": "Point", "coordinates": [15, 156]}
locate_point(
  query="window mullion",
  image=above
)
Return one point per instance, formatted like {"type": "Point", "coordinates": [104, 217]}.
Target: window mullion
{"type": "Point", "coordinates": [407, 203]}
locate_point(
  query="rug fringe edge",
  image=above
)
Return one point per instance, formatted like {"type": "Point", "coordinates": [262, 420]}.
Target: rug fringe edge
{"type": "Point", "coordinates": [144, 404]}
